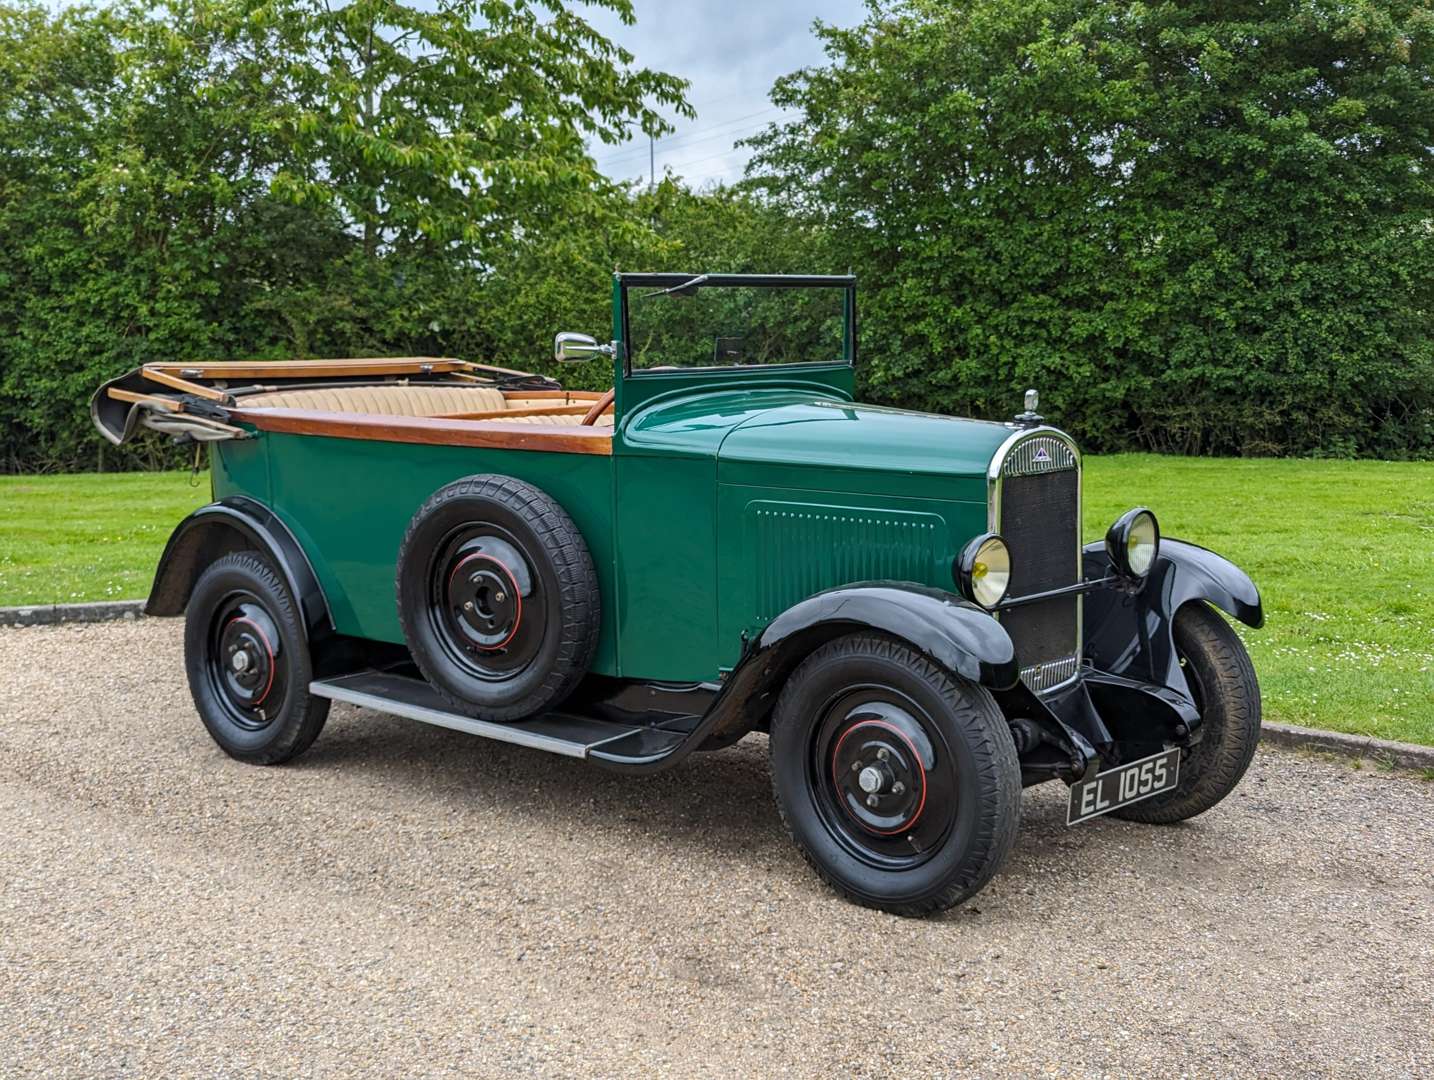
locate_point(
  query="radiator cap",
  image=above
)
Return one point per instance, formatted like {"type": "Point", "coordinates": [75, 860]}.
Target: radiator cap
{"type": "Point", "coordinates": [1030, 418]}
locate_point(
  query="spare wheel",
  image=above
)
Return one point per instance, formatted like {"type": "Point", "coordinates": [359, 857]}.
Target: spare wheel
{"type": "Point", "coordinates": [497, 597]}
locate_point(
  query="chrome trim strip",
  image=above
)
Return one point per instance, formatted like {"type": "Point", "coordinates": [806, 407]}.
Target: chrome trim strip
{"type": "Point", "coordinates": [501, 732]}
{"type": "Point", "coordinates": [1050, 675]}
{"type": "Point", "coordinates": [995, 480]}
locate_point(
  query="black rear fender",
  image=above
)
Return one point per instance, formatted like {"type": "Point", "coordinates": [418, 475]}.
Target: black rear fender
{"type": "Point", "coordinates": [236, 524]}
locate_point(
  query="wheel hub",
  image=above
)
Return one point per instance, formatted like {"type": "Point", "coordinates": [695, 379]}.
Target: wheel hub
{"type": "Point", "coordinates": [245, 663]}
{"type": "Point", "coordinates": [486, 601]}
{"type": "Point", "coordinates": [879, 775]}
{"type": "Point", "coordinates": [872, 780]}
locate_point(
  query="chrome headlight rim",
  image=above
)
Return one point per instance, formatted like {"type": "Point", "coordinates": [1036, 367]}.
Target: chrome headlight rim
{"type": "Point", "coordinates": [984, 564]}
{"type": "Point", "coordinates": [1133, 543]}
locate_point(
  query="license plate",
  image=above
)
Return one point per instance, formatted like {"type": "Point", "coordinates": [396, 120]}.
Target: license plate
{"type": "Point", "coordinates": [1123, 785]}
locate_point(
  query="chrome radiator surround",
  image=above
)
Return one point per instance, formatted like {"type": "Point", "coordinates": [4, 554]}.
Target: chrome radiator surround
{"type": "Point", "coordinates": [1031, 452]}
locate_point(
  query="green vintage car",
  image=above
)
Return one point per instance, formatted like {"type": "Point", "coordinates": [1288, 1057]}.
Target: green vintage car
{"type": "Point", "coordinates": [725, 542]}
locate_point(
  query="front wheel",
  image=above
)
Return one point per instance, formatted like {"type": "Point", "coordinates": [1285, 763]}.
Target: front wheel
{"type": "Point", "coordinates": [1222, 682]}
{"type": "Point", "coordinates": [898, 782]}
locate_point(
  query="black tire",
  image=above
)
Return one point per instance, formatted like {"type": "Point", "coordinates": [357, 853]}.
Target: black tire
{"type": "Point", "coordinates": [1223, 682]}
{"type": "Point", "coordinates": [866, 696]}
{"type": "Point", "coordinates": [498, 598]}
{"type": "Point", "coordinates": [259, 711]}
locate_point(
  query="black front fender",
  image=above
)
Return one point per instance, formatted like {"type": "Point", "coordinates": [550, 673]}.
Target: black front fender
{"type": "Point", "coordinates": [236, 524]}
{"type": "Point", "coordinates": [952, 632]}
{"type": "Point", "coordinates": [1130, 632]}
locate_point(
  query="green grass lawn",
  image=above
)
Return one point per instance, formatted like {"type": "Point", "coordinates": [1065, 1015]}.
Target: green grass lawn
{"type": "Point", "coordinates": [65, 539]}
{"type": "Point", "coordinates": [1343, 553]}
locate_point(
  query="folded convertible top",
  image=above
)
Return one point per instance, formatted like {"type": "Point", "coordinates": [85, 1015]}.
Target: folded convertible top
{"type": "Point", "coordinates": [194, 400]}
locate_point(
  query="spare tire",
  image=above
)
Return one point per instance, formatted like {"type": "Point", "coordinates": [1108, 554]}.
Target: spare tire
{"type": "Point", "coordinates": [497, 597]}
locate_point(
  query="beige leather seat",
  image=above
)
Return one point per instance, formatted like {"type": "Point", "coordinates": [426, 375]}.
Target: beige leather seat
{"type": "Point", "coordinates": [397, 400]}
{"type": "Point", "coordinates": [406, 400]}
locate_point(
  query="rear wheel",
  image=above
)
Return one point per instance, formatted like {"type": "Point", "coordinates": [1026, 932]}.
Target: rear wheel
{"type": "Point", "coordinates": [247, 658]}
{"type": "Point", "coordinates": [898, 782]}
{"type": "Point", "coordinates": [1223, 684]}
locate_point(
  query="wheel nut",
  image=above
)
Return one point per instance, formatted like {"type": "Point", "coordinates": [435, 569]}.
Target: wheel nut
{"type": "Point", "coordinates": [871, 800]}
{"type": "Point", "coordinates": [883, 754]}
{"type": "Point", "coordinates": [468, 605]}
{"type": "Point", "coordinates": [856, 766]}
{"type": "Point", "coordinates": [499, 597]}
{"type": "Point", "coordinates": [897, 788]}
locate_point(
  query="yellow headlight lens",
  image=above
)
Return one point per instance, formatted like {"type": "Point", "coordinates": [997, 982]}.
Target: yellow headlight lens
{"type": "Point", "coordinates": [991, 572]}
{"type": "Point", "coordinates": [1133, 542]}
{"type": "Point", "coordinates": [1141, 544]}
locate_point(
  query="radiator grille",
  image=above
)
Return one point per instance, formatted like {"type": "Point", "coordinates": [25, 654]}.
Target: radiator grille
{"type": "Point", "coordinates": [1038, 454]}
{"type": "Point", "coordinates": [1038, 512]}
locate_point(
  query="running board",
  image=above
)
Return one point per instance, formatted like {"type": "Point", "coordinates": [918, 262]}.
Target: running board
{"type": "Point", "coordinates": [620, 745]}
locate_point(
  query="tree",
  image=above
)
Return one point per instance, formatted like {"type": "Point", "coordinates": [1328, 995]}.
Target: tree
{"type": "Point", "coordinates": [457, 123]}
{"type": "Point", "coordinates": [220, 178]}
{"type": "Point", "coordinates": [1195, 226]}
{"type": "Point", "coordinates": [137, 219]}
{"type": "Point", "coordinates": [560, 279]}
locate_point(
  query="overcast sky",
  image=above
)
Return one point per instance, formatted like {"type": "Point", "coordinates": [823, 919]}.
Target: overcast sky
{"type": "Point", "coordinates": [731, 51]}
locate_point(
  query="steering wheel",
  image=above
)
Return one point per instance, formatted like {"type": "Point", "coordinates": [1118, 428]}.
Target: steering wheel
{"type": "Point", "coordinates": [600, 406]}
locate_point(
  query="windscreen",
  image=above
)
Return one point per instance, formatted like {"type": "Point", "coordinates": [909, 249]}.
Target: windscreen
{"type": "Point", "coordinates": [704, 326]}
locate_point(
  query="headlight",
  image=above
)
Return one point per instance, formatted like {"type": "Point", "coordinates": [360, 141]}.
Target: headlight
{"type": "Point", "coordinates": [1133, 542]}
{"type": "Point", "coordinates": [983, 570]}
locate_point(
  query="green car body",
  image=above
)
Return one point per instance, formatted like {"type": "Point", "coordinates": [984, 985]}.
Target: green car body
{"type": "Point", "coordinates": [718, 509]}
{"type": "Point", "coordinates": [728, 497]}
{"type": "Point", "coordinates": [748, 522]}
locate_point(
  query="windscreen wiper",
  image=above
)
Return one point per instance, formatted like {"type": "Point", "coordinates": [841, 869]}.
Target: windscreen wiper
{"type": "Point", "coordinates": [679, 290]}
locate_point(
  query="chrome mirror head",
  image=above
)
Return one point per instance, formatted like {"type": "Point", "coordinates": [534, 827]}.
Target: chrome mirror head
{"type": "Point", "coordinates": [569, 347]}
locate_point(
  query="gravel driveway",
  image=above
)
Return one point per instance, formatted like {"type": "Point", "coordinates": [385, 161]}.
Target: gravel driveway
{"type": "Point", "coordinates": [405, 900]}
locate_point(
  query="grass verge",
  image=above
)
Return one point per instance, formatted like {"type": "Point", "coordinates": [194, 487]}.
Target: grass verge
{"type": "Point", "coordinates": [1342, 552]}
{"type": "Point", "coordinates": [87, 536]}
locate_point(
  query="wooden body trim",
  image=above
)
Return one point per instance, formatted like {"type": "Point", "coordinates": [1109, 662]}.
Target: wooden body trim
{"type": "Point", "coordinates": [566, 396]}
{"type": "Point", "coordinates": [174, 382]}
{"type": "Point", "coordinates": [580, 409]}
{"type": "Point", "coordinates": [160, 404]}
{"type": "Point", "coordinates": [260, 369]}
{"type": "Point", "coordinates": [429, 430]}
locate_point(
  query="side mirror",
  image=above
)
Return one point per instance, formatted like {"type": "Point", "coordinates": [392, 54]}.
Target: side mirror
{"type": "Point", "coordinates": [569, 347]}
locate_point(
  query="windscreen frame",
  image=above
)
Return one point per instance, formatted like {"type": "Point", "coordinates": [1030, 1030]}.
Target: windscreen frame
{"type": "Point", "coordinates": [845, 282]}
